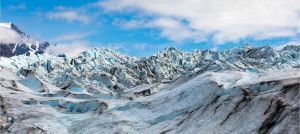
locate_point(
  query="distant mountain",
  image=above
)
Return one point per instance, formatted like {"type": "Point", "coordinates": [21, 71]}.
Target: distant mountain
{"type": "Point", "coordinates": [15, 42]}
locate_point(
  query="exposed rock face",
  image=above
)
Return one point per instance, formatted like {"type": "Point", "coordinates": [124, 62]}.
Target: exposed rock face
{"type": "Point", "coordinates": [9, 50]}
{"type": "Point", "coordinates": [243, 90]}
{"type": "Point", "coordinates": [19, 43]}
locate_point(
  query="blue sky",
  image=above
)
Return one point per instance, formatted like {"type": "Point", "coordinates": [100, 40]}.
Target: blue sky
{"type": "Point", "coordinates": [141, 28]}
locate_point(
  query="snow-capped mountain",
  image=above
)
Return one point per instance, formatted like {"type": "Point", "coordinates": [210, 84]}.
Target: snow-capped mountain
{"type": "Point", "coordinates": [241, 90]}
{"type": "Point", "coordinates": [15, 42]}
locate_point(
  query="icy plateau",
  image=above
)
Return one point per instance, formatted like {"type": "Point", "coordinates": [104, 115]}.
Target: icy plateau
{"type": "Point", "coordinates": [238, 91]}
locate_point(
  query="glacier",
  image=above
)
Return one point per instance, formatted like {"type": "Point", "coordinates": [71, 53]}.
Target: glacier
{"type": "Point", "coordinates": [102, 91]}
{"type": "Point", "coordinates": [240, 91]}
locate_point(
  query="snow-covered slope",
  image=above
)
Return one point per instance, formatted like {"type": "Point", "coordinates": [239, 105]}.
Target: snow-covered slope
{"type": "Point", "coordinates": [15, 42]}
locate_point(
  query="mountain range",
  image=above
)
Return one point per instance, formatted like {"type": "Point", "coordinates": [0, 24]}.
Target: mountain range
{"type": "Point", "coordinates": [240, 90]}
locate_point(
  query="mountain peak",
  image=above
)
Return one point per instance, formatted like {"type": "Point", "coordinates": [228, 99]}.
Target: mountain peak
{"type": "Point", "coordinates": [6, 24]}
{"type": "Point", "coordinates": [12, 26]}
{"type": "Point", "coordinates": [248, 46]}
{"type": "Point", "coordinates": [13, 42]}
{"type": "Point", "coordinates": [171, 49]}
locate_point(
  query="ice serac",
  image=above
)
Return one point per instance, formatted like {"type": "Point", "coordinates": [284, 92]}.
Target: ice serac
{"type": "Point", "coordinates": [15, 42]}
{"type": "Point", "coordinates": [242, 90]}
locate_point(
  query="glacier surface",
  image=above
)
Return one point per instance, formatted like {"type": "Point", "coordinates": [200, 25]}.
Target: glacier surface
{"type": "Point", "coordinates": [242, 90]}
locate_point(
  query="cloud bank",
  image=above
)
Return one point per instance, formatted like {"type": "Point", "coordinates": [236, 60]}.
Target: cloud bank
{"type": "Point", "coordinates": [70, 49]}
{"type": "Point", "coordinates": [9, 36]}
{"type": "Point", "coordinates": [219, 20]}
{"type": "Point", "coordinates": [70, 44]}
{"type": "Point", "coordinates": [69, 14]}
{"type": "Point", "coordinates": [21, 6]}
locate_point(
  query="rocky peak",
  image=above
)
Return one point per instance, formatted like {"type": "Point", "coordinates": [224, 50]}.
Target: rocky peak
{"type": "Point", "coordinates": [13, 27]}
{"type": "Point", "coordinates": [16, 42]}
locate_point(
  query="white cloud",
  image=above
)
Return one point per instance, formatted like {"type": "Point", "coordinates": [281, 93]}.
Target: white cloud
{"type": "Point", "coordinates": [9, 36]}
{"type": "Point", "coordinates": [71, 37]}
{"type": "Point", "coordinates": [69, 14]}
{"type": "Point", "coordinates": [140, 46]}
{"type": "Point", "coordinates": [130, 24]}
{"type": "Point", "coordinates": [70, 44]}
{"type": "Point", "coordinates": [116, 46]}
{"type": "Point", "coordinates": [170, 28]}
{"type": "Point", "coordinates": [70, 49]}
{"type": "Point", "coordinates": [222, 20]}
{"type": "Point", "coordinates": [21, 6]}
{"type": "Point", "coordinates": [174, 29]}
